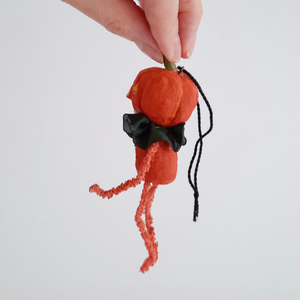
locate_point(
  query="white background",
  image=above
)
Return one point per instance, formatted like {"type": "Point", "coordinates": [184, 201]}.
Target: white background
{"type": "Point", "coordinates": [63, 86]}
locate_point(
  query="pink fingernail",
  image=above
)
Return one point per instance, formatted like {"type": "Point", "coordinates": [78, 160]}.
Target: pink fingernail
{"type": "Point", "coordinates": [177, 50]}
{"type": "Point", "coordinates": [191, 47]}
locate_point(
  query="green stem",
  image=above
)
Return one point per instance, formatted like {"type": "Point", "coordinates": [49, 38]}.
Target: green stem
{"type": "Point", "coordinates": [168, 65]}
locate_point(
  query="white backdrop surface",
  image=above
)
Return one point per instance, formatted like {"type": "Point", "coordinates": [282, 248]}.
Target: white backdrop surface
{"type": "Point", "coordinates": [63, 86]}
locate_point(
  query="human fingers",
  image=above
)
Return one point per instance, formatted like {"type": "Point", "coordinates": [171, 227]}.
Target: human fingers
{"type": "Point", "coordinates": [124, 18]}
{"type": "Point", "coordinates": [162, 16]}
{"type": "Point", "coordinates": [189, 17]}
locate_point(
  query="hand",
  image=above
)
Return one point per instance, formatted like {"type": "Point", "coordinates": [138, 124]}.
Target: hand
{"type": "Point", "coordinates": [157, 27]}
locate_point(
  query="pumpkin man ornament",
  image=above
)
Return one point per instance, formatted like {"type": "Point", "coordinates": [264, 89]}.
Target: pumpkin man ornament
{"type": "Point", "coordinates": [163, 100]}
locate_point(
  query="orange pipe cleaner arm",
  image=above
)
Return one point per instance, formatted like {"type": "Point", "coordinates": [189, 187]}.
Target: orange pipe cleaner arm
{"type": "Point", "coordinates": [142, 171]}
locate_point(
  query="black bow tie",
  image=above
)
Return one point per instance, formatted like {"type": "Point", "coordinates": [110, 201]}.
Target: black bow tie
{"type": "Point", "coordinates": [144, 133]}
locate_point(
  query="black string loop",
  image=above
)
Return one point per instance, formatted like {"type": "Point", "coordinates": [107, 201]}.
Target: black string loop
{"type": "Point", "coordinates": [199, 143]}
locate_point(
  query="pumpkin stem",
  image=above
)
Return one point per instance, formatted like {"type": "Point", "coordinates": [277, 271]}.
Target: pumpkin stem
{"type": "Point", "coordinates": [168, 65]}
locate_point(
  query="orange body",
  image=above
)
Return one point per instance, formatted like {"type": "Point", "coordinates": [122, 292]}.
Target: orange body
{"type": "Point", "coordinates": [166, 98]}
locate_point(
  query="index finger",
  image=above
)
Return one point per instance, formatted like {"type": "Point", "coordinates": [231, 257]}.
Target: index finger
{"type": "Point", "coordinates": [162, 17]}
{"type": "Point", "coordinates": [190, 14]}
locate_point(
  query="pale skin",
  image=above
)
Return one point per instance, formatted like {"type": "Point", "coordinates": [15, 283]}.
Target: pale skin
{"type": "Point", "coordinates": [157, 27]}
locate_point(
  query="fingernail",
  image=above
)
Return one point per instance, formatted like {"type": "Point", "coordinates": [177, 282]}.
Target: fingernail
{"type": "Point", "coordinates": [191, 47]}
{"type": "Point", "coordinates": [177, 50]}
{"type": "Point", "coordinates": [151, 52]}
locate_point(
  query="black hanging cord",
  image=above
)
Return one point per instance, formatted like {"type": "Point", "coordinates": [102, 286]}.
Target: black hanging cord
{"type": "Point", "coordinates": [194, 183]}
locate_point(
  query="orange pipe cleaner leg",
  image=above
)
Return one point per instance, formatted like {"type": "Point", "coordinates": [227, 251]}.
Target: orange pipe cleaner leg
{"type": "Point", "coordinates": [147, 230]}
{"type": "Point", "coordinates": [149, 222]}
{"type": "Point", "coordinates": [131, 182]}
